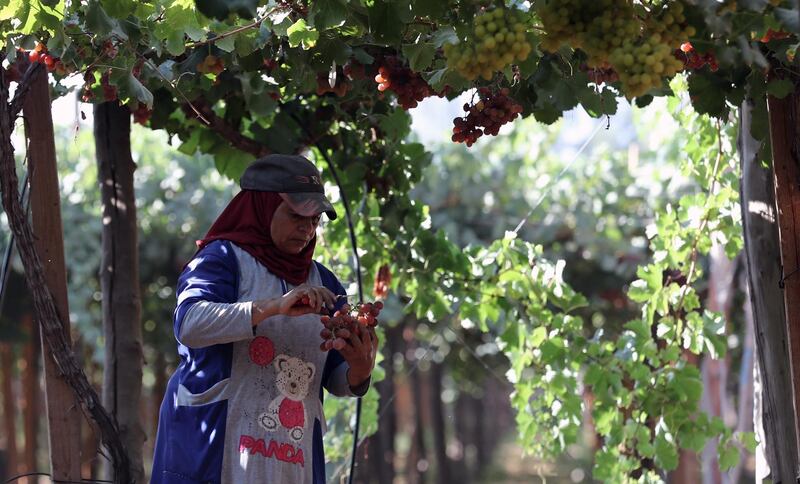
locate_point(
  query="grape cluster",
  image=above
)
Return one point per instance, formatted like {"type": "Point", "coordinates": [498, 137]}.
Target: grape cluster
{"type": "Point", "coordinates": [366, 315]}
{"type": "Point", "coordinates": [493, 110]}
{"type": "Point", "coordinates": [669, 22]}
{"type": "Point", "coordinates": [643, 65]}
{"type": "Point", "coordinates": [211, 65]}
{"type": "Point", "coordinates": [340, 88]}
{"type": "Point", "coordinates": [595, 26]}
{"type": "Point", "coordinates": [603, 74]}
{"type": "Point", "coordinates": [693, 60]}
{"type": "Point", "coordinates": [497, 40]}
{"type": "Point", "coordinates": [141, 114]}
{"type": "Point", "coordinates": [52, 63]}
{"type": "Point", "coordinates": [634, 44]}
{"type": "Point", "coordinates": [380, 288]}
{"type": "Point", "coordinates": [408, 85]}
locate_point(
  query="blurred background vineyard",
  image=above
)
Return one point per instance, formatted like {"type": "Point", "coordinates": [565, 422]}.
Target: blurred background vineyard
{"type": "Point", "coordinates": [444, 412]}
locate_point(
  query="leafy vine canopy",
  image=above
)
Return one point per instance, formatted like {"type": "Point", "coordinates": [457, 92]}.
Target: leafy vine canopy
{"type": "Point", "coordinates": [239, 79]}
{"type": "Point", "coordinates": [242, 78]}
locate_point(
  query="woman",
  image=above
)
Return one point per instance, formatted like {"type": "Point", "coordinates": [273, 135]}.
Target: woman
{"type": "Point", "coordinates": [245, 403]}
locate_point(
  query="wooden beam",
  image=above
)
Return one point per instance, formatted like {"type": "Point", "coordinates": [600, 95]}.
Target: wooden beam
{"type": "Point", "coordinates": [63, 412]}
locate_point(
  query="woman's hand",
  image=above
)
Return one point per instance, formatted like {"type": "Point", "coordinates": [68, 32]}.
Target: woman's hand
{"type": "Point", "coordinates": [359, 349]}
{"type": "Point", "coordinates": [303, 299]}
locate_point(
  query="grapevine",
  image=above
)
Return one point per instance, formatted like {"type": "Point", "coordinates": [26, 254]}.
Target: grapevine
{"type": "Point", "coordinates": [493, 110]}
{"type": "Point", "coordinates": [365, 315]}
{"type": "Point", "coordinates": [498, 39]}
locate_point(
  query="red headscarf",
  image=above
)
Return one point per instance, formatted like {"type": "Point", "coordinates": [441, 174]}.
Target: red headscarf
{"type": "Point", "coordinates": [246, 222]}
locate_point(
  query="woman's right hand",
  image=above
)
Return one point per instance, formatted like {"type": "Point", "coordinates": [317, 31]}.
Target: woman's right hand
{"type": "Point", "coordinates": [305, 299]}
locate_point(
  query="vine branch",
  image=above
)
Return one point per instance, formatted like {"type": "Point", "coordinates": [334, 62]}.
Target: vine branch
{"type": "Point", "coordinates": [226, 131]}
{"type": "Point", "coordinates": [696, 241]}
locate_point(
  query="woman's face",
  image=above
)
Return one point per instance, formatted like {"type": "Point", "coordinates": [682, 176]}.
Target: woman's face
{"type": "Point", "coordinates": [290, 231]}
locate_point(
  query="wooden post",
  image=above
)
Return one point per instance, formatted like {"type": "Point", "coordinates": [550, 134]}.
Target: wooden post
{"type": "Point", "coordinates": [762, 254]}
{"type": "Point", "coordinates": [63, 412]}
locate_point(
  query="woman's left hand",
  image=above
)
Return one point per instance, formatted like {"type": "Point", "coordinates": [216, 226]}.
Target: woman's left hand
{"type": "Point", "coordinates": [360, 351]}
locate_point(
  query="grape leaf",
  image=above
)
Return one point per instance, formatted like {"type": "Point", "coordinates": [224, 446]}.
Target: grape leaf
{"type": "Point", "coordinates": [328, 14]}
{"type": "Point", "coordinates": [420, 56]}
{"type": "Point", "coordinates": [301, 33]}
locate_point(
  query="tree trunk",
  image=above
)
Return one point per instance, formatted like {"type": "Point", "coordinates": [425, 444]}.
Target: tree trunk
{"type": "Point", "coordinates": [159, 390]}
{"type": "Point", "coordinates": [9, 409]}
{"type": "Point", "coordinates": [418, 460]}
{"type": "Point", "coordinates": [478, 437]}
{"type": "Point", "coordinates": [30, 402]}
{"type": "Point", "coordinates": [744, 422]}
{"type": "Point", "coordinates": [715, 401]}
{"type": "Point", "coordinates": [463, 434]}
{"type": "Point", "coordinates": [762, 250]}
{"type": "Point", "coordinates": [63, 413]}
{"type": "Point", "coordinates": [388, 421]}
{"type": "Point", "coordinates": [122, 380]}
{"type": "Point", "coordinates": [688, 471]}
{"type": "Point", "coordinates": [435, 376]}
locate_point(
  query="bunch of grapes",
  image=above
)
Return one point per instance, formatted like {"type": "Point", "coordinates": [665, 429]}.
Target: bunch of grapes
{"type": "Point", "coordinates": [52, 63]}
{"type": "Point", "coordinates": [634, 44]}
{"type": "Point", "coordinates": [669, 22]}
{"type": "Point", "coordinates": [323, 85]}
{"type": "Point", "coordinates": [608, 31]}
{"type": "Point", "coordinates": [109, 91]}
{"type": "Point", "coordinates": [380, 288]}
{"type": "Point", "coordinates": [497, 40]}
{"type": "Point", "coordinates": [408, 85]}
{"type": "Point", "coordinates": [493, 110]}
{"type": "Point", "coordinates": [643, 65]}
{"type": "Point", "coordinates": [366, 315]}
{"type": "Point", "coordinates": [603, 74]}
{"type": "Point", "coordinates": [211, 65]}
{"type": "Point", "coordinates": [141, 114]}
{"type": "Point", "coordinates": [693, 60]}
{"type": "Point", "coordinates": [596, 25]}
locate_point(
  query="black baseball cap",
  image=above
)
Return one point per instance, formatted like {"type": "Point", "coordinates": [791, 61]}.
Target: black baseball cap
{"type": "Point", "coordinates": [294, 178]}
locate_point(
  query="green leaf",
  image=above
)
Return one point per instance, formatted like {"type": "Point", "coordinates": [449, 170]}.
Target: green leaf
{"type": "Point", "coordinates": [420, 56]}
{"type": "Point", "coordinates": [445, 35]}
{"type": "Point", "coordinates": [385, 23]}
{"type": "Point", "coordinates": [119, 8]}
{"type": "Point", "coordinates": [666, 453]}
{"type": "Point", "coordinates": [538, 336]}
{"type": "Point", "coordinates": [227, 44]}
{"type": "Point", "coordinates": [98, 21]}
{"type": "Point", "coordinates": [748, 439]}
{"type": "Point", "coordinates": [728, 456]}
{"type": "Point", "coordinates": [429, 8]}
{"type": "Point", "coordinates": [780, 88]}
{"type": "Point", "coordinates": [138, 91]}
{"type": "Point", "coordinates": [221, 9]}
{"type": "Point", "coordinates": [707, 93]}
{"type": "Point", "coordinates": [300, 33]}
{"type": "Point", "coordinates": [328, 14]}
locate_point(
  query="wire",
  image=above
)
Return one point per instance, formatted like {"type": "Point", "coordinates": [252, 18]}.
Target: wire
{"type": "Point", "coordinates": [352, 231]}
{"type": "Point", "coordinates": [566, 168]}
